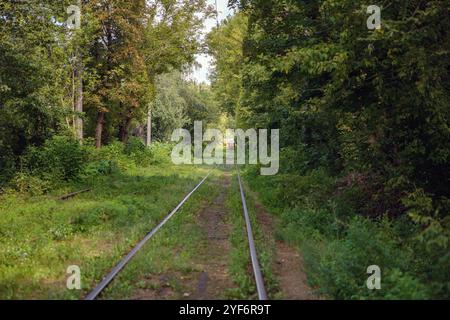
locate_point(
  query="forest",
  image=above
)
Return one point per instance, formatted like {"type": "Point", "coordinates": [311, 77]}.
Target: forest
{"type": "Point", "coordinates": [89, 99]}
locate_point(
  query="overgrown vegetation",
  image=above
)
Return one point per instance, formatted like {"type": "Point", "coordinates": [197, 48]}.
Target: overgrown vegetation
{"type": "Point", "coordinates": [133, 187]}
{"type": "Point", "coordinates": [64, 160]}
{"type": "Point", "coordinates": [364, 123]}
{"type": "Point", "coordinates": [338, 243]}
{"type": "Point", "coordinates": [363, 114]}
{"type": "Point", "coordinates": [74, 110]}
{"type": "Point", "coordinates": [96, 82]}
{"type": "Point", "coordinates": [171, 256]}
{"type": "Point", "coordinates": [179, 103]}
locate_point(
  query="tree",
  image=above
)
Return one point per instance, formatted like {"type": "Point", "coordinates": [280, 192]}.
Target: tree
{"type": "Point", "coordinates": [133, 43]}
{"type": "Point", "coordinates": [172, 38]}
{"type": "Point", "coordinates": [225, 45]}
{"type": "Point", "coordinates": [169, 110]}
{"type": "Point", "coordinates": [358, 100]}
{"type": "Point", "coordinates": [33, 76]}
{"type": "Point", "coordinates": [179, 103]}
{"type": "Point", "coordinates": [96, 81]}
{"type": "Point", "coordinates": [369, 107]}
{"type": "Point", "coordinates": [77, 76]}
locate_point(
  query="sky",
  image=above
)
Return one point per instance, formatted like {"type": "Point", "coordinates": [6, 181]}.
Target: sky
{"type": "Point", "coordinates": [201, 74]}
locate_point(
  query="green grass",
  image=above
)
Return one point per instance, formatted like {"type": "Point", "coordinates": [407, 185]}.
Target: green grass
{"type": "Point", "coordinates": [41, 236]}
{"type": "Point", "coordinates": [172, 251]}
{"type": "Point", "coordinates": [338, 244]}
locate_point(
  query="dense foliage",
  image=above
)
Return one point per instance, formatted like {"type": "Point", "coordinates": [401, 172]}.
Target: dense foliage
{"type": "Point", "coordinates": [32, 77]}
{"type": "Point", "coordinates": [364, 117]}
{"type": "Point", "coordinates": [97, 81]}
{"type": "Point", "coordinates": [225, 45]}
{"type": "Point", "coordinates": [180, 102]}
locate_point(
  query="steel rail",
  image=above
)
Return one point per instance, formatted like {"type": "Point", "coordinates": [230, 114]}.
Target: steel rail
{"type": "Point", "coordinates": [262, 294]}
{"type": "Point", "coordinates": [111, 275]}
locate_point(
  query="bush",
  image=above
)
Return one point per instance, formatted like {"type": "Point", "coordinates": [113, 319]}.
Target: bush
{"type": "Point", "coordinates": [432, 239]}
{"type": "Point", "coordinates": [294, 160]}
{"type": "Point", "coordinates": [7, 164]}
{"type": "Point", "coordinates": [100, 168]}
{"type": "Point", "coordinates": [285, 191]}
{"type": "Point", "coordinates": [155, 154]}
{"type": "Point", "coordinates": [343, 225]}
{"type": "Point", "coordinates": [114, 153]}
{"type": "Point", "coordinates": [59, 158]}
{"type": "Point", "coordinates": [134, 145]}
{"type": "Point", "coordinates": [404, 286]}
{"type": "Point", "coordinates": [25, 183]}
{"type": "Point", "coordinates": [309, 190]}
{"type": "Point", "coordinates": [160, 153]}
{"type": "Point", "coordinates": [302, 224]}
{"type": "Point", "coordinates": [119, 157]}
{"type": "Point", "coordinates": [338, 267]}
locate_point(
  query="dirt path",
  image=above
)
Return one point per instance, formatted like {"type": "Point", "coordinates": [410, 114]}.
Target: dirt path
{"type": "Point", "coordinates": [288, 265]}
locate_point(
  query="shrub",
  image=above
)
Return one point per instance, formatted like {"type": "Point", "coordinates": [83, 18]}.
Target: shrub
{"type": "Point", "coordinates": [432, 240]}
{"type": "Point", "coordinates": [284, 191]}
{"type": "Point", "coordinates": [339, 266]}
{"type": "Point", "coordinates": [160, 153]}
{"type": "Point", "coordinates": [345, 224]}
{"type": "Point", "coordinates": [294, 160]}
{"type": "Point", "coordinates": [114, 153]}
{"type": "Point", "coordinates": [119, 157]}
{"type": "Point", "coordinates": [156, 154]}
{"type": "Point", "coordinates": [7, 164]}
{"type": "Point", "coordinates": [311, 189]}
{"type": "Point", "coordinates": [300, 224]}
{"type": "Point", "coordinates": [26, 183]}
{"type": "Point", "coordinates": [100, 168]}
{"type": "Point", "coordinates": [403, 286]}
{"type": "Point", "coordinates": [349, 200]}
{"type": "Point", "coordinates": [59, 158]}
{"type": "Point", "coordinates": [142, 158]}
{"type": "Point", "coordinates": [134, 145]}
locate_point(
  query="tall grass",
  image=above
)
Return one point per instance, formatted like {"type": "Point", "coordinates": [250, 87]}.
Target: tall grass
{"type": "Point", "coordinates": [339, 243]}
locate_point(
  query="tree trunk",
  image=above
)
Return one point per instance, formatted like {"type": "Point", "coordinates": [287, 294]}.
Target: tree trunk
{"type": "Point", "coordinates": [124, 129]}
{"type": "Point", "coordinates": [78, 92]}
{"type": "Point", "coordinates": [78, 121]}
{"type": "Point", "coordinates": [140, 132]}
{"type": "Point", "coordinates": [99, 129]}
{"type": "Point", "coordinates": [149, 128]}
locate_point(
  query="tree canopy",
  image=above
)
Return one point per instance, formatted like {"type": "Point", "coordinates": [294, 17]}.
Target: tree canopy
{"type": "Point", "coordinates": [368, 107]}
{"type": "Point", "coordinates": [102, 73]}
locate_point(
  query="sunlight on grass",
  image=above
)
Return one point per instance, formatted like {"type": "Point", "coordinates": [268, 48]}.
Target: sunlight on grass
{"type": "Point", "coordinates": [40, 236]}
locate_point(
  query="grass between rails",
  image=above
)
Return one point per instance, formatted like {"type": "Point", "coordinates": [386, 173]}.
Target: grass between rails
{"type": "Point", "coordinates": [40, 236]}
{"type": "Point", "coordinates": [167, 269]}
{"type": "Point", "coordinates": [169, 257]}
{"type": "Point", "coordinates": [240, 262]}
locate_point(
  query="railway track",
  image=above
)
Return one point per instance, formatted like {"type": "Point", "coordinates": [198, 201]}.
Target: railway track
{"type": "Point", "coordinates": [252, 249]}
{"type": "Point", "coordinates": [262, 294]}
